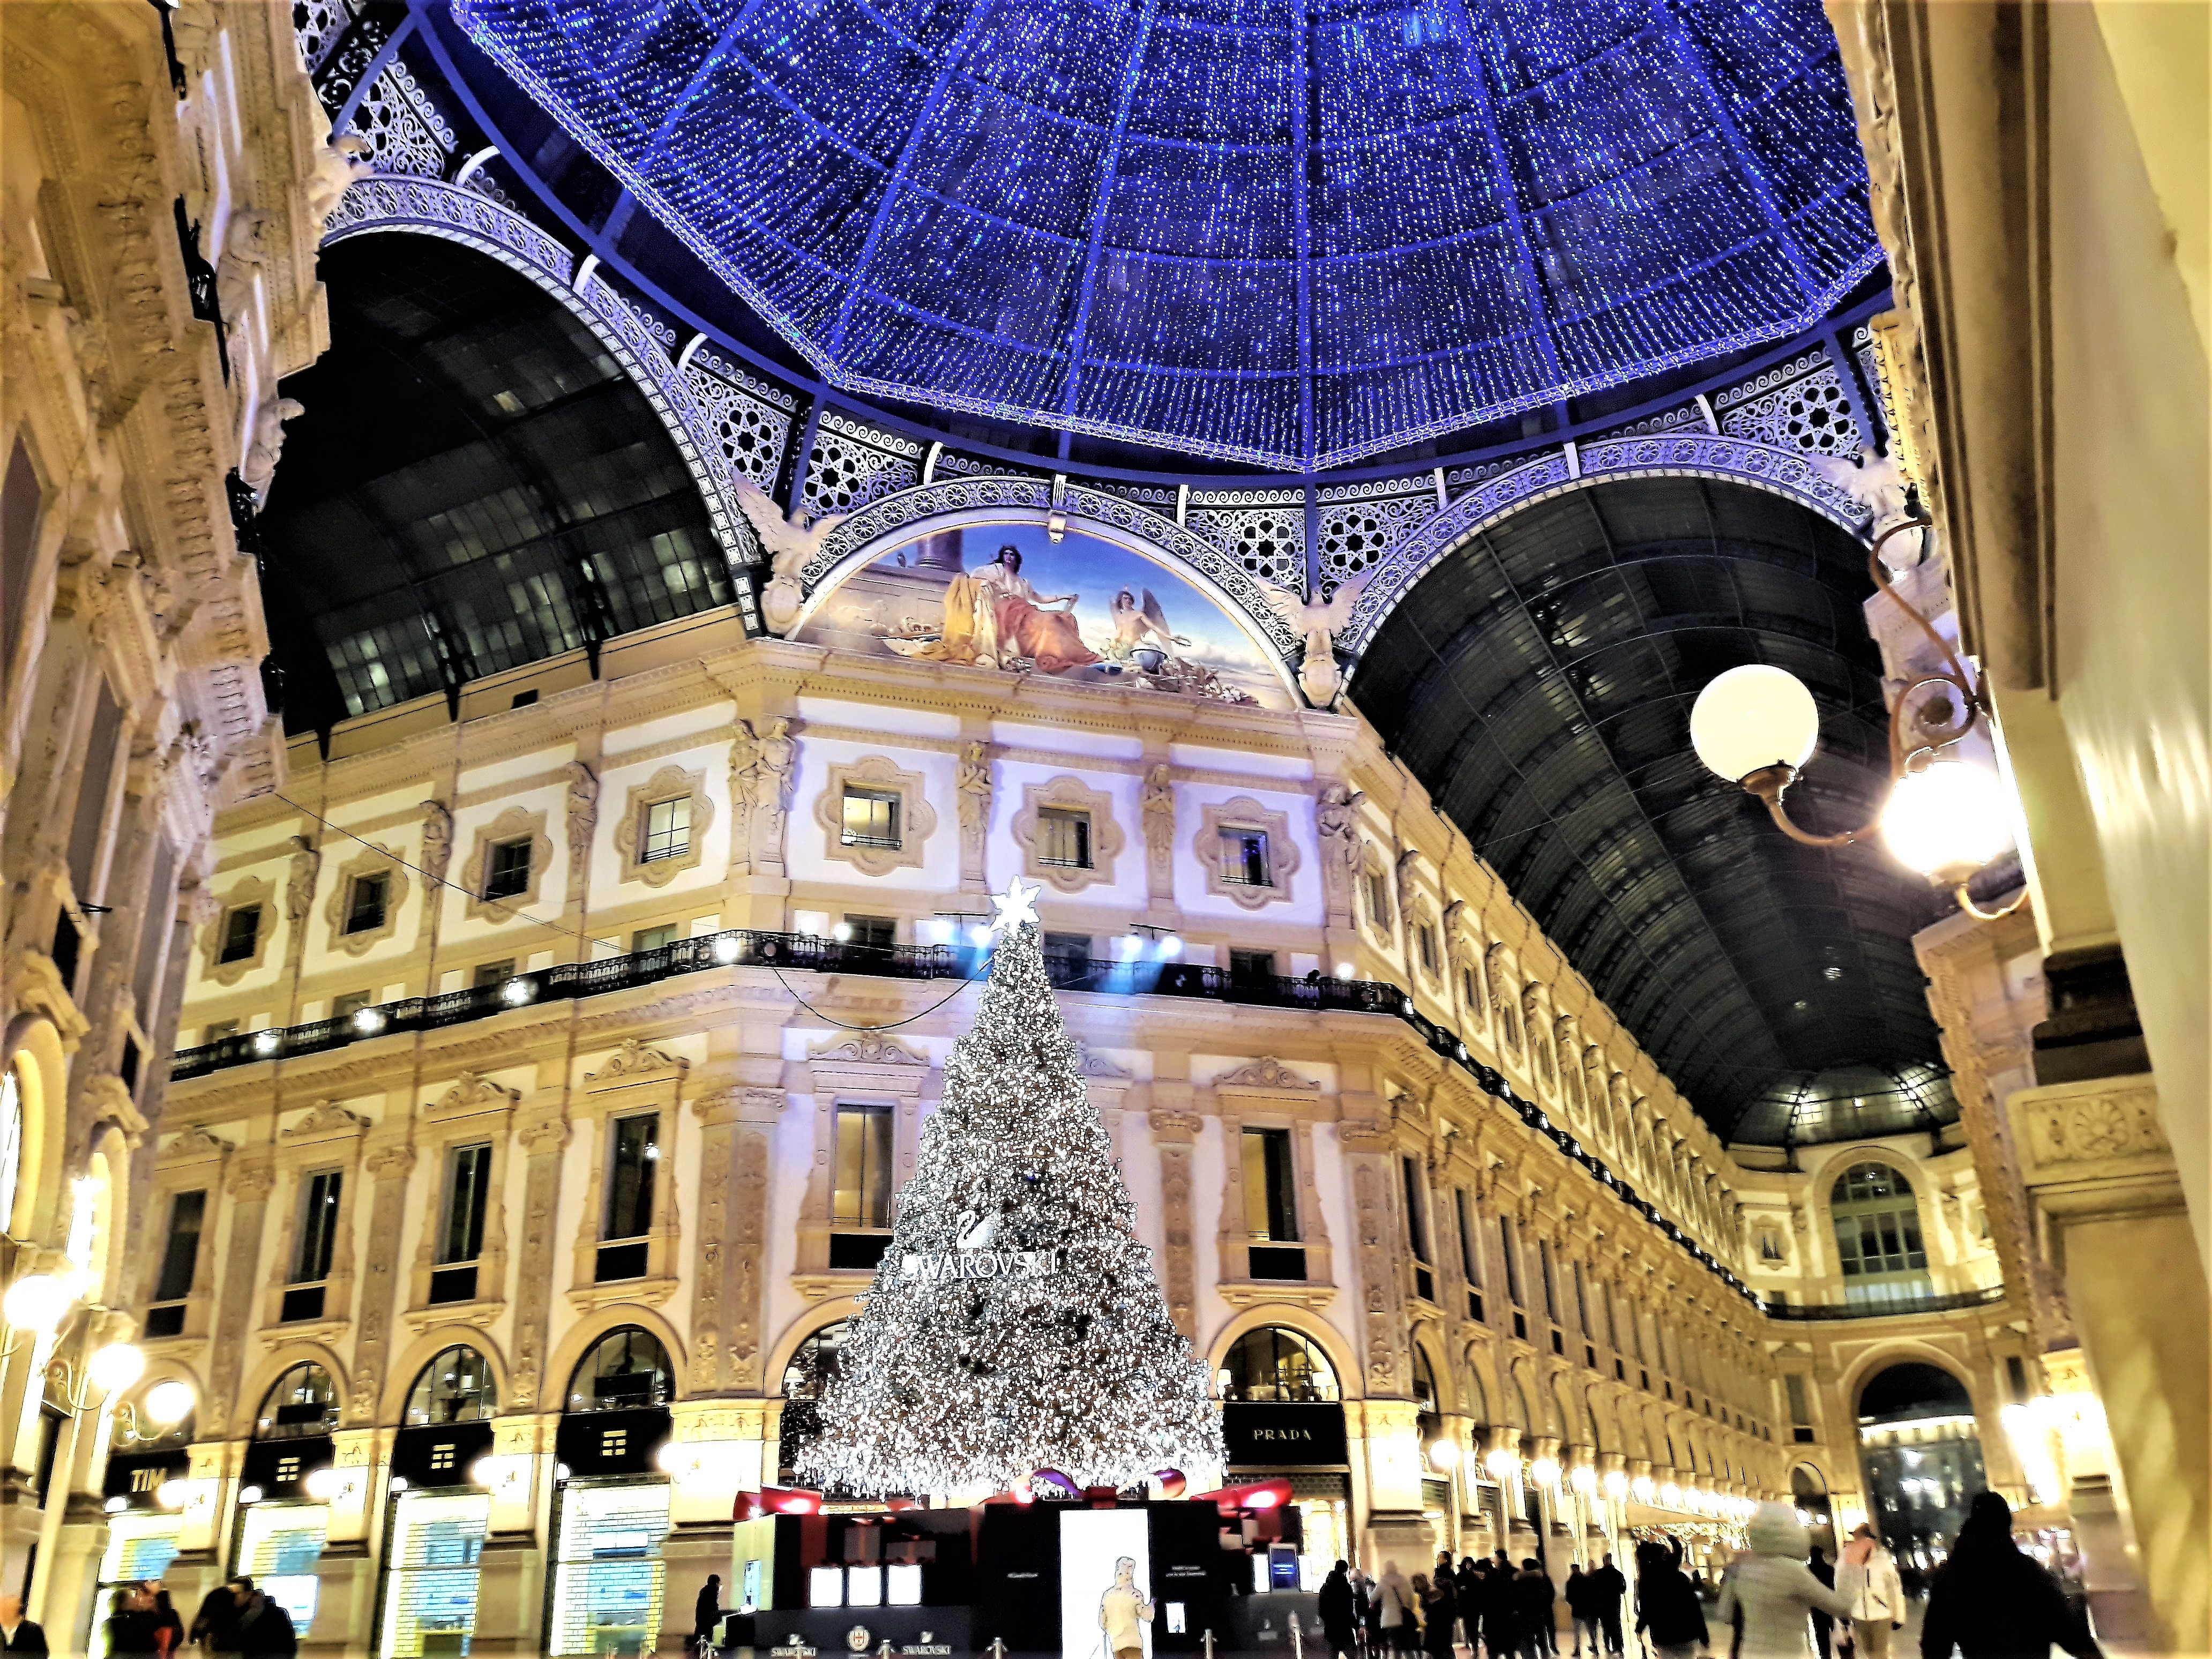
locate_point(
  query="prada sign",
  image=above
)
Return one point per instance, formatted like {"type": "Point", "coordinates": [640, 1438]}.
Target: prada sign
{"type": "Point", "coordinates": [1280, 1435]}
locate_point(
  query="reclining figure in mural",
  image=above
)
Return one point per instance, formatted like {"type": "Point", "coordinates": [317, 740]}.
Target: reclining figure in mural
{"type": "Point", "coordinates": [995, 616]}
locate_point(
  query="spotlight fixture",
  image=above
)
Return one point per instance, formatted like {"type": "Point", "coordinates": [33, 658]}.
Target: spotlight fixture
{"type": "Point", "coordinates": [1757, 726]}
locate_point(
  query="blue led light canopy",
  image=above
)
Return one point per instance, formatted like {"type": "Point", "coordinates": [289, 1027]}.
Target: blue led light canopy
{"type": "Point", "coordinates": [1242, 230]}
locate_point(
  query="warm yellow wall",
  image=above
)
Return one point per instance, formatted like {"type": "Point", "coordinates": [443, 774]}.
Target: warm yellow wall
{"type": "Point", "coordinates": [2131, 599]}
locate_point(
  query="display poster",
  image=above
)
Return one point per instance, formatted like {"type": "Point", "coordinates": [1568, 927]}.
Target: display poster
{"type": "Point", "coordinates": [1105, 1584]}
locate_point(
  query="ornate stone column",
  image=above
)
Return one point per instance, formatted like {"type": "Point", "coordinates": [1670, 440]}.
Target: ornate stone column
{"type": "Point", "coordinates": [252, 1178]}
{"type": "Point", "coordinates": [1175, 1132]}
{"type": "Point", "coordinates": [544, 1137]}
{"type": "Point", "coordinates": [2100, 1180]}
{"type": "Point", "coordinates": [389, 1167]}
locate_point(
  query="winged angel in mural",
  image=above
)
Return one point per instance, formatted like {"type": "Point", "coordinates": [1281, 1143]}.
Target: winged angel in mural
{"type": "Point", "coordinates": [790, 546]}
{"type": "Point", "coordinates": [1317, 622]}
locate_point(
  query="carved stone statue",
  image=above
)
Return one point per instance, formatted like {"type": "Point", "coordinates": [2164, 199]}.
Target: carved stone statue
{"type": "Point", "coordinates": [1160, 829]}
{"type": "Point", "coordinates": [300, 886]}
{"type": "Point", "coordinates": [779, 756]}
{"type": "Point", "coordinates": [972, 782]}
{"type": "Point", "coordinates": [437, 839]}
{"type": "Point", "coordinates": [1317, 622]}
{"type": "Point", "coordinates": [790, 545]}
{"type": "Point", "coordinates": [338, 166]}
{"type": "Point", "coordinates": [260, 467]}
{"type": "Point", "coordinates": [583, 814]}
{"type": "Point", "coordinates": [1502, 999]}
{"type": "Point", "coordinates": [245, 251]}
{"type": "Point", "coordinates": [1336, 818]}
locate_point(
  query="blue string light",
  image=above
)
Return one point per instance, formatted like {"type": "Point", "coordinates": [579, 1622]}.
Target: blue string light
{"type": "Point", "coordinates": [1088, 213]}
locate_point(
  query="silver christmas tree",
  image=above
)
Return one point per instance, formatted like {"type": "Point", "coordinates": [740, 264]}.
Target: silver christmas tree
{"type": "Point", "coordinates": [1015, 1322]}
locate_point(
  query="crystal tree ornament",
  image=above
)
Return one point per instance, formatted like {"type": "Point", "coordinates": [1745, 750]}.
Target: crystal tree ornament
{"type": "Point", "coordinates": [1015, 1322]}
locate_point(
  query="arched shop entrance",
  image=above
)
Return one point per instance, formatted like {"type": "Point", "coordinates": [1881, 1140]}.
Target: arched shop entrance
{"type": "Point", "coordinates": [1282, 1413]}
{"type": "Point", "coordinates": [806, 1378]}
{"type": "Point", "coordinates": [1808, 1491]}
{"type": "Point", "coordinates": [610, 1501]}
{"type": "Point", "coordinates": [283, 1521]}
{"type": "Point", "coordinates": [437, 1513]}
{"type": "Point", "coordinates": [143, 1532]}
{"type": "Point", "coordinates": [1922, 1459]}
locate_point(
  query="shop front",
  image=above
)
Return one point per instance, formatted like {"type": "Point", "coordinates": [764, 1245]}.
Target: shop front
{"type": "Point", "coordinates": [283, 1522]}
{"type": "Point", "coordinates": [610, 1508]}
{"type": "Point", "coordinates": [437, 1515]}
{"type": "Point", "coordinates": [1281, 1415]}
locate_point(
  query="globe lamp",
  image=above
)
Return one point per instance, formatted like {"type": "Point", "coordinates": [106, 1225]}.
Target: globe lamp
{"type": "Point", "coordinates": [1753, 717]}
{"type": "Point", "coordinates": [1946, 820]}
{"type": "Point", "coordinates": [38, 1302]}
{"type": "Point", "coordinates": [166, 1403]}
{"type": "Point", "coordinates": [116, 1366]}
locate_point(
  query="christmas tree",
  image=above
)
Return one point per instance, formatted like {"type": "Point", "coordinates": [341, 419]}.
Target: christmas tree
{"type": "Point", "coordinates": [1014, 1323]}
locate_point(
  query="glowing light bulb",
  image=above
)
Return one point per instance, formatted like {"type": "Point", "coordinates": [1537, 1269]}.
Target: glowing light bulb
{"type": "Point", "coordinates": [116, 1366]}
{"type": "Point", "coordinates": [36, 1302]}
{"type": "Point", "coordinates": [1946, 820]}
{"type": "Point", "coordinates": [166, 1403]}
{"type": "Point", "coordinates": [1753, 717]}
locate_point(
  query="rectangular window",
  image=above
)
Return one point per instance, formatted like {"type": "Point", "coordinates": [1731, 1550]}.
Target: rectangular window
{"type": "Point", "coordinates": [181, 1253]}
{"type": "Point", "coordinates": [630, 1182]}
{"type": "Point", "coordinates": [365, 903]}
{"type": "Point", "coordinates": [1582, 1302]}
{"type": "Point", "coordinates": [666, 832]}
{"type": "Point", "coordinates": [506, 868]}
{"type": "Point", "coordinates": [1063, 837]}
{"type": "Point", "coordinates": [1271, 1214]}
{"type": "Point", "coordinates": [862, 1195]}
{"type": "Point", "coordinates": [319, 1227]}
{"type": "Point", "coordinates": [875, 933]}
{"type": "Point", "coordinates": [1801, 1410]}
{"type": "Point", "coordinates": [1244, 859]}
{"type": "Point", "coordinates": [1417, 1218]}
{"type": "Point", "coordinates": [1468, 994]}
{"type": "Point", "coordinates": [1612, 1319]}
{"type": "Point", "coordinates": [1378, 900]}
{"type": "Point", "coordinates": [1427, 936]}
{"type": "Point", "coordinates": [2016, 1379]}
{"type": "Point", "coordinates": [468, 1198]}
{"type": "Point", "coordinates": [1511, 1259]}
{"type": "Point", "coordinates": [871, 817]}
{"type": "Point", "coordinates": [1067, 957]}
{"type": "Point", "coordinates": [653, 939]}
{"type": "Point", "coordinates": [1551, 1279]}
{"type": "Point", "coordinates": [490, 974]}
{"type": "Point", "coordinates": [1249, 966]}
{"type": "Point", "coordinates": [349, 1003]}
{"type": "Point", "coordinates": [242, 934]}
{"type": "Point", "coordinates": [1469, 1261]}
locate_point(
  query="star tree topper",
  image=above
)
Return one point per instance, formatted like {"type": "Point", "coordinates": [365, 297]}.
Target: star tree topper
{"type": "Point", "coordinates": [1017, 905]}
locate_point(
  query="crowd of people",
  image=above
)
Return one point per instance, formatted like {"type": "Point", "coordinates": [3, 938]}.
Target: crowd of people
{"type": "Point", "coordinates": [234, 1619]}
{"type": "Point", "coordinates": [1778, 1599]}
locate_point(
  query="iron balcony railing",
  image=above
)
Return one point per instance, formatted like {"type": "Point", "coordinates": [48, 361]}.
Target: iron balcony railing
{"type": "Point", "coordinates": [1915, 1304]}
{"type": "Point", "coordinates": [808, 953]}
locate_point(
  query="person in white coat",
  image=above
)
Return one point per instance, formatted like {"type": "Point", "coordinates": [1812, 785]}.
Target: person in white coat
{"type": "Point", "coordinates": [1769, 1593]}
{"type": "Point", "coordinates": [1866, 1578]}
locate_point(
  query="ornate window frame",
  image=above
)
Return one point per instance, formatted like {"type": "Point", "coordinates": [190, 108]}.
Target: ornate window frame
{"type": "Point", "coordinates": [868, 1069]}
{"type": "Point", "coordinates": [368, 861]}
{"type": "Point", "coordinates": [1242, 812]}
{"type": "Point", "coordinates": [194, 1161]}
{"type": "Point", "coordinates": [668, 783]}
{"type": "Point", "coordinates": [328, 1138]}
{"type": "Point", "coordinates": [512, 825]}
{"type": "Point", "coordinates": [475, 1109]}
{"type": "Point", "coordinates": [1375, 879]}
{"type": "Point", "coordinates": [1069, 794]}
{"type": "Point", "coordinates": [1265, 1094]}
{"type": "Point", "coordinates": [249, 890]}
{"type": "Point", "coordinates": [917, 818]}
{"type": "Point", "coordinates": [635, 1080]}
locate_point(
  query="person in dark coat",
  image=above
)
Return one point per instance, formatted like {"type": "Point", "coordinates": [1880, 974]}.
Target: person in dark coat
{"type": "Point", "coordinates": [707, 1611]}
{"type": "Point", "coordinates": [1581, 1611]}
{"type": "Point", "coordinates": [1339, 1612]}
{"type": "Point", "coordinates": [17, 1633]}
{"type": "Point", "coordinates": [1991, 1602]}
{"type": "Point", "coordinates": [1439, 1607]}
{"type": "Point", "coordinates": [215, 1626]}
{"type": "Point", "coordinates": [1823, 1570]}
{"type": "Point", "coordinates": [128, 1626]}
{"type": "Point", "coordinates": [1533, 1620]}
{"type": "Point", "coordinates": [1668, 1610]}
{"type": "Point", "coordinates": [264, 1628]}
{"type": "Point", "coordinates": [1606, 1588]}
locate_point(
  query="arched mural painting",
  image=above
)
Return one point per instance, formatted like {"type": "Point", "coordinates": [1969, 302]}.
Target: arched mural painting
{"type": "Point", "coordinates": [1077, 607]}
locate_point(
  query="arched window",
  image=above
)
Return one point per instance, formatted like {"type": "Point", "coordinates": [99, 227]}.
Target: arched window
{"type": "Point", "coordinates": [302, 1402]}
{"type": "Point", "coordinates": [1275, 1365]}
{"type": "Point", "coordinates": [455, 1387]}
{"type": "Point", "coordinates": [1878, 1235]}
{"type": "Point", "coordinates": [626, 1369]}
{"type": "Point", "coordinates": [1424, 1380]}
{"type": "Point", "coordinates": [806, 1378]}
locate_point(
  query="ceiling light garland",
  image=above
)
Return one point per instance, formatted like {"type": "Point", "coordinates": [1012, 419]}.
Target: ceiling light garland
{"type": "Point", "coordinates": [1226, 225]}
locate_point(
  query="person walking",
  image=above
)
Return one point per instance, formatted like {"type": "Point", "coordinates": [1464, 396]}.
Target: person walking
{"type": "Point", "coordinates": [1608, 1588]}
{"type": "Point", "coordinates": [1501, 1616]}
{"type": "Point", "coordinates": [707, 1614]}
{"type": "Point", "coordinates": [1822, 1569]}
{"type": "Point", "coordinates": [1866, 1578]}
{"type": "Point", "coordinates": [1439, 1609]}
{"type": "Point", "coordinates": [264, 1628]}
{"type": "Point", "coordinates": [1395, 1599]}
{"type": "Point", "coordinates": [215, 1626]}
{"type": "Point", "coordinates": [1990, 1601]}
{"type": "Point", "coordinates": [1339, 1612]}
{"type": "Point", "coordinates": [1533, 1597]}
{"type": "Point", "coordinates": [168, 1628]}
{"type": "Point", "coordinates": [1581, 1611]}
{"type": "Point", "coordinates": [1667, 1611]}
{"type": "Point", "coordinates": [1770, 1591]}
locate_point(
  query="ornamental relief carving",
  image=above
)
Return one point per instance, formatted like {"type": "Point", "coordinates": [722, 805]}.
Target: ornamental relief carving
{"type": "Point", "coordinates": [2072, 1125]}
{"type": "Point", "coordinates": [641, 860]}
{"type": "Point", "coordinates": [366, 865]}
{"type": "Point", "coordinates": [877, 775]}
{"type": "Point", "coordinates": [252, 890]}
{"type": "Point", "coordinates": [512, 825]}
{"type": "Point", "coordinates": [1070, 795]}
{"type": "Point", "coordinates": [1229, 877]}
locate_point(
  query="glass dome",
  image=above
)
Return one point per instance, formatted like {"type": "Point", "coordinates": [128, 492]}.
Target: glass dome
{"type": "Point", "coordinates": [1240, 229]}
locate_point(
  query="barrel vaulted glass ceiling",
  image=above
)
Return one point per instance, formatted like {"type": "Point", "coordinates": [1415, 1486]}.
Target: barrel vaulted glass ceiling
{"type": "Point", "coordinates": [1293, 236]}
